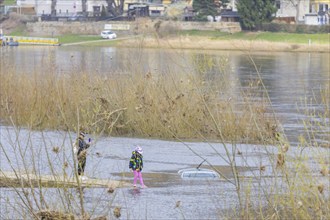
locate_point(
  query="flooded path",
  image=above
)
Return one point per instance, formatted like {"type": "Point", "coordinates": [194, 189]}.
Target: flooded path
{"type": "Point", "coordinates": [168, 196]}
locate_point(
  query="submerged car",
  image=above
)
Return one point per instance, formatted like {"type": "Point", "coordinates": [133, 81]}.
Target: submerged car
{"type": "Point", "coordinates": [198, 173]}
{"type": "Point", "coordinates": [108, 34]}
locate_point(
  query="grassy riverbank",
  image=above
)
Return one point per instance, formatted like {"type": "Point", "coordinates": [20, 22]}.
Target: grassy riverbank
{"type": "Point", "coordinates": [213, 40]}
{"type": "Point", "coordinates": [322, 39]}
{"type": "Point", "coordinates": [263, 36]}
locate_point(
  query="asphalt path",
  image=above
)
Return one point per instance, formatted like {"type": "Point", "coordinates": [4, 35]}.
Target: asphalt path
{"type": "Point", "coordinates": [101, 40]}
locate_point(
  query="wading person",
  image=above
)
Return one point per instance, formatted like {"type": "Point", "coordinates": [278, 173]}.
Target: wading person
{"type": "Point", "coordinates": [82, 154]}
{"type": "Point", "coordinates": [136, 165]}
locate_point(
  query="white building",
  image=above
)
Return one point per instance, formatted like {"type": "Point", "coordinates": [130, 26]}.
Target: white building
{"type": "Point", "coordinates": [62, 6]}
{"type": "Point", "coordinates": [297, 10]}
{"type": "Point", "coordinates": [311, 19]}
{"type": "Point", "coordinates": [293, 8]}
{"type": "Point", "coordinates": [232, 5]}
{"type": "Point", "coordinates": [70, 7]}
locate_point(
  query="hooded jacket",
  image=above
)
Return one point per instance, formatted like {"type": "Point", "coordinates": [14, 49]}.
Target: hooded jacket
{"type": "Point", "coordinates": [136, 161]}
{"type": "Point", "coordinates": [82, 145]}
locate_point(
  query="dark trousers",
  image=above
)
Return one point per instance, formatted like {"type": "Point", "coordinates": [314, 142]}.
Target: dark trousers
{"type": "Point", "coordinates": [81, 166]}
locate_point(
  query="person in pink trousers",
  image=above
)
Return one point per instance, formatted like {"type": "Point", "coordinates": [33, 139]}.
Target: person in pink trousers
{"type": "Point", "coordinates": [136, 165]}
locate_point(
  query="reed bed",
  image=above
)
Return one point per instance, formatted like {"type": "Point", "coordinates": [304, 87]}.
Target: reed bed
{"type": "Point", "coordinates": [137, 104]}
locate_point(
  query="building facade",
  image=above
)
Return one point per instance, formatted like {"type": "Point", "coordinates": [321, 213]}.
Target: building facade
{"type": "Point", "coordinates": [72, 7]}
{"type": "Point", "coordinates": [295, 9]}
{"type": "Point", "coordinates": [69, 7]}
{"type": "Point", "coordinates": [319, 6]}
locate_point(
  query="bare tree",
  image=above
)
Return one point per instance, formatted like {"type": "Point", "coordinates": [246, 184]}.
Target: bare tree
{"type": "Point", "coordinates": [53, 8]}
{"type": "Point", "coordinates": [297, 4]}
{"type": "Point", "coordinates": [115, 7]}
{"type": "Point", "coordinates": [84, 6]}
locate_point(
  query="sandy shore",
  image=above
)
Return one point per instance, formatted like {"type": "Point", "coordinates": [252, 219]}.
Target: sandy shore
{"type": "Point", "coordinates": [205, 43]}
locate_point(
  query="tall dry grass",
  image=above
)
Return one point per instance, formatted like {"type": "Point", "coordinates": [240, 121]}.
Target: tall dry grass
{"type": "Point", "coordinates": [136, 104]}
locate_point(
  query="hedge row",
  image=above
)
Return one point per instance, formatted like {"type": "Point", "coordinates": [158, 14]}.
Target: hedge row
{"type": "Point", "coordinates": [295, 28]}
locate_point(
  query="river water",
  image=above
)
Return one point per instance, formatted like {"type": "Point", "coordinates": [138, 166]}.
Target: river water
{"type": "Point", "coordinates": [290, 78]}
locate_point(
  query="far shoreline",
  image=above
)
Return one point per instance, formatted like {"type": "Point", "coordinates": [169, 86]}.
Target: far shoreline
{"type": "Point", "coordinates": [204, 43]}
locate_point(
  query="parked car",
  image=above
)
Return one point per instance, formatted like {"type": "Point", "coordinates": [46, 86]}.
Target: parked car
{"type": "Point", "coordinates": [108, 34]}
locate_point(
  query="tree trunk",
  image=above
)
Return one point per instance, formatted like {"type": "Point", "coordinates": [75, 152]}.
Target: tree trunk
{"type": "Point", "coordinates": [298, 11]}
{"type": "Point", "coordinates": [53, 8]}
{"type": "Point", "coordinates": [296, 5]}
{"type": "Point", "coordinates": [84, 7]}
{"type": "Point", "coordinates": [115, 7]}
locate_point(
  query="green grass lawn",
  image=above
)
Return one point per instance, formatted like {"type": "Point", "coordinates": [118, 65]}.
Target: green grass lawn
{"type": "Point", "coordinates": [216, 35]}
{"type": "Point", "coordinates": [65, 39]}
{"type": "Point", "coordinates": [9, 2]}
{"type": "Point", "coordinates": [266, 36]}
{"type": "Point", "coordinates": [87, 40]}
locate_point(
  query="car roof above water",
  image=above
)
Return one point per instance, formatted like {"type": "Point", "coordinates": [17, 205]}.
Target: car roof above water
{"type": "Point", "coordinates": [198, 173]}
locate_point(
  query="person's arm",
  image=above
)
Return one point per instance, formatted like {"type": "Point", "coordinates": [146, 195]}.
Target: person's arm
{"type": "Point", "coordinates": [80, 146]}
{"type": "Point", "coordinates": [132, 162]}
{"type": "Point", "coordinates": [83, 146]}
{"type": "Point", "coordinates": [88, 144]}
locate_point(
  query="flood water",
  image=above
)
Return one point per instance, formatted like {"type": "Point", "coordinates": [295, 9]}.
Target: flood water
{"type": "Point", "coordinates": [290, 78]}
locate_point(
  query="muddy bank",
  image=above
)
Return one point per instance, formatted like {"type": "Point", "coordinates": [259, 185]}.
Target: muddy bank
{"type": "Point", "coordinates": [25, 180]}
{"type": "Point", "coordinates": [205, 43]}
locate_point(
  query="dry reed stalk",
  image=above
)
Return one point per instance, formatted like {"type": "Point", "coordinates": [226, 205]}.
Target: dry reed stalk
{"type": "Point", "coordinates": [285, 148]}
{"type": "Point", "coordinates": [324, 171]}
{"type": "Point", "coordinates": [320, 188]}
{"type": "Point", "coordinates": [117, 211]}
{"type": "Point", "coordinates": [49, 214]}
{"type": "Point", "coordinates": [110, 190]}
{"type": "Point", "coordinates": [280, 160]}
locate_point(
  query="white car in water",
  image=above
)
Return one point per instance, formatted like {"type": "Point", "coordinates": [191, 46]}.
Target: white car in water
{"type": "Point", "coordinates": [198, 173]}
{"type": "Point", "coordinates": [106, 34]}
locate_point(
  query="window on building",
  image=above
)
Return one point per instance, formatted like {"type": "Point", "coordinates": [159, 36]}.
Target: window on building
{"type": "Point", "coordinates": [155, 13]}
{"type": "Point", "coordinates": [278, 4]}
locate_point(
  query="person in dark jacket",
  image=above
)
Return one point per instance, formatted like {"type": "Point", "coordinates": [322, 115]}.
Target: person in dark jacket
{"type": "Point", "coordinates": [136, 165]}
{"type": "Point", "coordinates": [82, 153]}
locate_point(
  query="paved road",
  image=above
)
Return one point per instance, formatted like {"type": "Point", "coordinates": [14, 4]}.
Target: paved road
{"type": "Point", "coordinates": [101, 40]}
